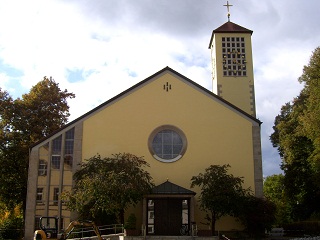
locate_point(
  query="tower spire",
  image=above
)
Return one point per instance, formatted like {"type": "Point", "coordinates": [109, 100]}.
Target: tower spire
{"type": "Point", "coordinates": [228, 8]}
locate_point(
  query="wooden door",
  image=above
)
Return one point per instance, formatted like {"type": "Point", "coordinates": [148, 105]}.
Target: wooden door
{"type": "Point", "coordinates": [167, 216]}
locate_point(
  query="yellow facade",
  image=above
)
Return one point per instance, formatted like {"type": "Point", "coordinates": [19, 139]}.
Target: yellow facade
{"type": "Point", "coordinates": [213, 131]}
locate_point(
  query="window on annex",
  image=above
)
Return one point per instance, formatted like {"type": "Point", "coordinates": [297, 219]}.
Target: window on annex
{"type": "Point", "coordinates": [43, 159]}
{"type": "Point", "coordinates": [39, 198]}
{"type": "Point", "coordinates": [42, 170]}
{"type": "Point", "coordinates": [55, 196]}
{"type": "Point", "coordinates": [55, 162]}
{"type": "Point", "coordinates": [56, 152]}
{"type": "Point", "coordinates": [68, 149]}
{"type": "Point", "coordinates": [167, 143]}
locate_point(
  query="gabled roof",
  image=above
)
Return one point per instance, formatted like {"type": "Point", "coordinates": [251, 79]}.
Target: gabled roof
{"type": "Point", "coordinates": [229, 27]}
{"type": "Point", "coordinates": [170, 188]}
{"type": "Point", "coordinates": [166, 69]}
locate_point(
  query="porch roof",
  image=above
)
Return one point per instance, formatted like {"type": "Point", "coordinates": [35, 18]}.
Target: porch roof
{"type": "Point", "coordinates": [170, 188]}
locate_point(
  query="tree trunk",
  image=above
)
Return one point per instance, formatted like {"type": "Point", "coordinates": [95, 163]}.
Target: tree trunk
{"type": "Point", "coordinates": [213, 223]}
{"type": "Point", "coordinates": [121, 216]}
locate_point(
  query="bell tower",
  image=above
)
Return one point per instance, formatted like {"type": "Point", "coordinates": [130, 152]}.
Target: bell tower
{"type": "Point", "coordinates": [232, 65]}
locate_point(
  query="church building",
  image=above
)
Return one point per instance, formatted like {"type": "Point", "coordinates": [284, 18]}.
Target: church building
{"type": "Point", "coordinates": [178, 126]}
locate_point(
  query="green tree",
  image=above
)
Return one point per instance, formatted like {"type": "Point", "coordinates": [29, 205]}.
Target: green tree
{"type": "Point", "coordinates": [11, 222]}
{"type": "Point", "coordinates": [220, 192]}
{"type": "Point", "coordinates": [310, 120]}
{"type": "Point", "coordinates": [109, 185]}
{"type": "Point", "coordinates": [295, 150]}
{"type": "Point", "coordinates": [311, 117]}
{"type": "Point", "coordinates": [274, 191]}
{"type": "Point", "coordinates": [296, 135]}
{"type": "Point", "coordinates": [273, 187]}
{"type": "Point", "coordinates": [12, 228]}
{"type": "Point", "coordinates": [23, 122]}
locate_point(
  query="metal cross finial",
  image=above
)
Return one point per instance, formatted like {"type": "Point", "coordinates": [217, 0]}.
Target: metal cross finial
{"type": "Point", "coordinates": [228, 7]}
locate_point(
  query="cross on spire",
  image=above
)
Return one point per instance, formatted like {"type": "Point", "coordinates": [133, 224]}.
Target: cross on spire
{"type": "Point", "coordinates": [228, 8]}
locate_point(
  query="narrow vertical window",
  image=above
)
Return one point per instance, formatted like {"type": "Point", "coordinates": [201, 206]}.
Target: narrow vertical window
{"type": "Point", "coordinates": [42, 170]}
{"type": "Point", "coordinates": [39, 195]}
{"type": "Point", "coordinates": [68, 149]}
{"type": "Point", "coordinates": [55, 162]}
{"type": "Point", "coordinates": [43, 159]}
{"type": "Point", "coordinates": [56, 152]}
{"type": "Point", "coordinates": [55, 196]}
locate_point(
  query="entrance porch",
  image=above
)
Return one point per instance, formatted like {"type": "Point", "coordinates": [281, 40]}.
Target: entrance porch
{"type": "Point", "coordinates": [168, 210]}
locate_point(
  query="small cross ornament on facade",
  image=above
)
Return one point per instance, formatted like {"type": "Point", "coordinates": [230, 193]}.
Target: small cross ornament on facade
{"type": "Point", "coordinates": [228, 8]}
{"type": "Point", "coordinates": [167, 87]}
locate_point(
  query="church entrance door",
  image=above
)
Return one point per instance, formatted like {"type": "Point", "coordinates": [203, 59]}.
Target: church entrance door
{"type": "Point", "coordinates": [167, 209]}
{"type": "Point", "coordinates": [167, 214]}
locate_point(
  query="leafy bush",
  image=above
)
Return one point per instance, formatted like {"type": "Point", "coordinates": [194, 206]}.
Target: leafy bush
{"type": "Point", "coordinates": [302, 228]}
{"type": "Point", "coordinates": [131, 222]}
{"type": "Point", "coordinates": [11, 228]}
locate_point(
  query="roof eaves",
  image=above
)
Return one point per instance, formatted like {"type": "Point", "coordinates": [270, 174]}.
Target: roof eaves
{"type": "Point", "coordinates": [171, 188]}
{"type": "Point", "coordinates": [100, 106]}
{"type": "Point", "coordinates": [229, 27]}
{"type": "Point", "coordinates": [218, 97]}
{"type": "Point", "coordinates": [139, 84]}
{"type": "Point", "coordinates": [232, 28]}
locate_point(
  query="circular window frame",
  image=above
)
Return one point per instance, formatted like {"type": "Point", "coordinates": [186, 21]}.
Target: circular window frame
{"type": "Point", "coordinates": [172, 128]}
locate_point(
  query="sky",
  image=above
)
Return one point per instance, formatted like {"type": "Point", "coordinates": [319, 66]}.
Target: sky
{"type": "Point", "coordinates": [99, 48]}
